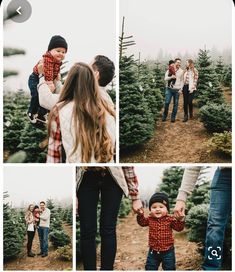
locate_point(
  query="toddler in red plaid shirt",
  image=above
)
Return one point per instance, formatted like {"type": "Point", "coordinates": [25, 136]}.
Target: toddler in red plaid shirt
{"type": "Point", "coordinates": [52, 60]}
{"type": "Point", "coordinates": [161, 226]}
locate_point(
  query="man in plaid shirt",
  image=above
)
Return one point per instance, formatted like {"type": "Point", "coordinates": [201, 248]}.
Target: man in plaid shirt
{"type": "Point", "coordinates": [161, 241]}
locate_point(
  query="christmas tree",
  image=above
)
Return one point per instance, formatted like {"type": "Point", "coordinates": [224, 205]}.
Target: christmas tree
{"type": "Point", "coordinates": [171, 182]}
{"type": "Point", "coordinates": [219, 69]}
{"type": "Point", "coordinates": [159, 74]}
{"type": "Point", "coordinates": [13, 231]}
{"type": "Point", "coordinates": [208, 89]}
{"type": "Point", "coordinates": [136, 119]}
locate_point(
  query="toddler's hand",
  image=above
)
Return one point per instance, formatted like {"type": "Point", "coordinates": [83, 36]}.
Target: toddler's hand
{"type": "Point", "coordinates": [58, 78]}
{"type": "Point", "coordinates": [51, 86]}
{"type": "Point", "coordinates": [140, 211]}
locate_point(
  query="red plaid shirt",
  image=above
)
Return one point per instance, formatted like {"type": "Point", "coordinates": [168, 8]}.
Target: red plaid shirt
{"type": "Point", "coordinates": [51, 67]}
{"type": "Point", "coordinates": [160, 230]}
{"type": "Point", "coordinates": [54, 152]}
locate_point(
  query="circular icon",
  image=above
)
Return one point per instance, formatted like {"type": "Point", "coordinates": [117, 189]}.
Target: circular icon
{"type": "Point", "coordinates": [19, 10]}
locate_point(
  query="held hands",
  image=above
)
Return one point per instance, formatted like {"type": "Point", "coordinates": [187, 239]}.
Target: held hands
{"type": "Point", "coordinates": [179, 210]}
{"type": "Point", "coordinates": [137, 206]}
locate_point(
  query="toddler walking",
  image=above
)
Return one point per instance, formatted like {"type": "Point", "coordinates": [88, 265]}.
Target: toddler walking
{"type": "Point", "coordinates": [161, 241]}
{"type": "Point", "coordinates": [52, 60]}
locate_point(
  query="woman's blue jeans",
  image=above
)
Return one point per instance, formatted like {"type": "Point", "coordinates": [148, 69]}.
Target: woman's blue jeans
{"type": "Point", "coordinates": [93, 185]}
{"type": "Point", "coordinates": [219, 214]}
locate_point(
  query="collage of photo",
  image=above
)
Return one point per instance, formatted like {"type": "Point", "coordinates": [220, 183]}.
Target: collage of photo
{"type": "Point", "coordinates": [117, 135]}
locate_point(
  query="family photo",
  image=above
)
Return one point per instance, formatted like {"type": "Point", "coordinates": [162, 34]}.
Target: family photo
{"type": "Point", "coordinates": [175, 82]}
{"type": "Point", "coordinates": [59, 87]}
{"type": "Point", "coordinates": [37, 219]}
{"type": "Point", "coordinates": [146, 218]}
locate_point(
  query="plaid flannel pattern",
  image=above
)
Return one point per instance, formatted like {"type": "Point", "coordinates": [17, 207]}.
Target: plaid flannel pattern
{"type": "Point", "coordinates": [51, 67]}
{"type": "Point", "coordinates": [54, 153]}
{"type": "Point", "coordinates": [160, 230]}
{"type": "Point", "coordinates": [195, 78]}
{"type": "Point", "coordinates": [132, 182]}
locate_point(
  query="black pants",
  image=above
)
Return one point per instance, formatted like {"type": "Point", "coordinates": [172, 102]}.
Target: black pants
{"type": "Point", "coordinates": [30, 235]}
{"type": "Point", "coordinates": [188, 101]}
{"type": "Point", "coordinates": [94, 184]}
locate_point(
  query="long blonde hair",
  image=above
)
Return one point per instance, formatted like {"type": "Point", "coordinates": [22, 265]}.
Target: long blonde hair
{"type": "Point", "coordinates": [191, 66]}
{"type": "Point", "coordinates": [89, 113]}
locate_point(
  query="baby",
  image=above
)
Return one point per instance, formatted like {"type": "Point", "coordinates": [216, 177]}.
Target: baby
{"type": "Point", "coordinates": [52, 60]}
{"type": "Point", "coordinates": [161, 241]}
{"type": "Point", "coordinates": [171, 72]}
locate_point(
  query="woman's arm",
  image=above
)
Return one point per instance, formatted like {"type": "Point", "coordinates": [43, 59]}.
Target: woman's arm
{"type": "Point", "coordinates": [132, 184]}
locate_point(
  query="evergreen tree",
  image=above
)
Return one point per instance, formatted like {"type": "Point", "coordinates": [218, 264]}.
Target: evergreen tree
{"type": "Point", "coordinates": [31, 139]}
{"type": "Point", "coordinates": [208, 89]}
{"type": "Point", "coordinates": [151, 93]}
{"type": "Point", "coordinates": [171, 182]}
{"type": "Point", "coordinates": [219, 69]}
{"type": "Point", "coordinates": [13, 232]}
{"type": "Point", "coordinates": [227, 76]}
{"type": "Point", "coordinates": [159, 74]}
{"type": "Point", "coordinates": [136, 119]}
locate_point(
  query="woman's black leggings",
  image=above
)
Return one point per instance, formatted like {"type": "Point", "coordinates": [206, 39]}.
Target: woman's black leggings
{"type": "Point", "coordinates": [30, 235]}
{"type": "Point", "coordinates": [188, 101]}
{"type": "Point", "coordinates": [93, 185]}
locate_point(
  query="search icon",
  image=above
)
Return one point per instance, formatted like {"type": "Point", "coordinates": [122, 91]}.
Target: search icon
{"type": "Point", "coordinates": [214, 253]}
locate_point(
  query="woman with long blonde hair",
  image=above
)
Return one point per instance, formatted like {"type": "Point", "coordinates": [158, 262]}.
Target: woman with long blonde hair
{"type": "Point", "coordinates": [29, 219]}
{"type": "Point", "coordinates": [190, 86]}
{"type": "Point", "coordinates": [82, 121]}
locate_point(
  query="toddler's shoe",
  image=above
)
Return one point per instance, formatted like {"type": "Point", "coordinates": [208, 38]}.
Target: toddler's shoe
{"type": "Point", "coordinates": [42, 119]}
{"type": "Point", "coordinates": [31, 117]}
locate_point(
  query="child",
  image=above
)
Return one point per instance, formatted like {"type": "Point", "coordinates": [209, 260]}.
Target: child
{"type": "Point", "coordinates": [171, 69]}
{"type": "Point", "coordinates": [52, 60]}
{"type": "Point", "coordinates": [36, 215]}
{"type": "Point", "coordinates": [161, 241]}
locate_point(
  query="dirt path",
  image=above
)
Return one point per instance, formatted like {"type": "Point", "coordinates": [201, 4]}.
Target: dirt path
{"type": "Point", "coordinates": [38, 263]}
{"type": "Point", "coordinates": [177, 142]}
{"type": "Point", "coordinates": [132, 247]}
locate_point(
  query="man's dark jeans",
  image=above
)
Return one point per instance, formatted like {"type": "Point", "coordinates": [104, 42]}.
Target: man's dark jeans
{"type": "Point", "coordinates": [219, 214]}
{"type": "Point", "coordinates": [34, 106]}
{"type": "Point", "coordinates": [169, 94]}
{"type": "Point", "coordinates": [94, 184]}
{"type": "Point", "coordinates": [43, 239]}
{"type": "Point", "coordinates": [154, 259]}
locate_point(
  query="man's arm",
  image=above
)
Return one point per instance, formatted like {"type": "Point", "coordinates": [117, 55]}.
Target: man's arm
{"type": "Point", "coordinates": [45, 215]}
{"type": "Point", "coordinates": [47, 99]}
{"type": "Point", "coordinates": [167, 78]}
{"type": "Point", "coordinates": [188, 182]}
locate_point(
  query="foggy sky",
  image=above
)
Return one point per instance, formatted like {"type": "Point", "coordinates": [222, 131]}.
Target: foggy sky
{"type": "Point", "coordinates": [177, 26]}
{"type": "Point", "coordinates": [31, 184]}
{"type": "Point", "coordinates": [150, 177]}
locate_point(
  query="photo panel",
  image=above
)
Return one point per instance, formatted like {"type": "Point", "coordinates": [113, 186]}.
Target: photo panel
{"type": "Point", "coordinates": [154, 217]}
{"type": "Point", "coordinates": [59, 81]}
{"type": "Point", "coordinates": [38, 218]}
{"type": "Point", "coordinates": [175, 81]}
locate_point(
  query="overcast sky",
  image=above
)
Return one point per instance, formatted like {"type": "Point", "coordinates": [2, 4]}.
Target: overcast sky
{"type": "Point", "coordinates": [88, 26]}
{"type": "Point", "coordinates": [150, 177]}
{"type": "Point", "coordinates": [31, 184]}
{"type": "Point", "coordinates": [177, 26]}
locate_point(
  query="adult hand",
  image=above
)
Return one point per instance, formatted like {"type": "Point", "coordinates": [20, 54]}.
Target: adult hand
{"type": "Point", "coordinates": [137, 206]}
{"type": "Point", "coordinates": [180, 91]}
{"type": "Point", "coordinates": [40, 67]}
{"type": "Point", "coordinates": [179, 210]}
{"type": "Point", "coordinates": [173, 77]}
